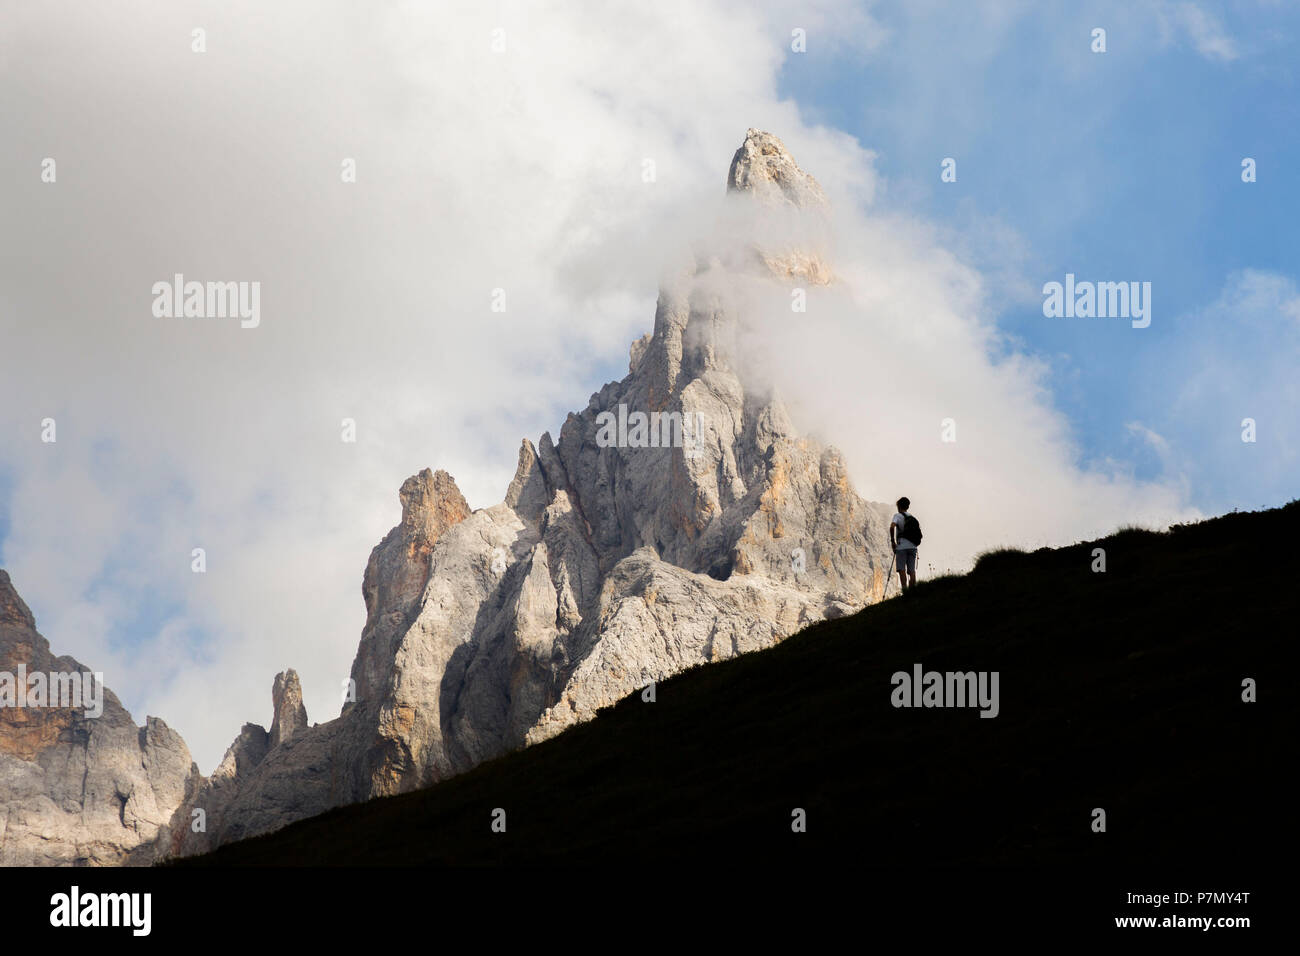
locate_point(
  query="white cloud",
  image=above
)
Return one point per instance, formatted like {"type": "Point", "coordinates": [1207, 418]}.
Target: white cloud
{"type": "Point", "coordinates": [1159, 444]}
{"type": "Point", "coordinates": [476, 170]}
{"type": "Point", "coordinates": [904, 343]}
{"type": "Point", "coordinates": [1202, 28]}
{"type": "Point", "coordinates": [1232, 360]}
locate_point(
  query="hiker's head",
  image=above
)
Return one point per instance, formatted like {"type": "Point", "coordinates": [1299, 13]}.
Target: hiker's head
{"type": "Point", "coordinates": [903, 504]}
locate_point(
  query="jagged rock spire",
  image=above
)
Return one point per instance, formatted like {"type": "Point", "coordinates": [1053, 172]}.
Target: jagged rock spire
{"type": "Point", "coordinates": [764, 167]}
{"type": "Point", "coordinates": [290, 714]}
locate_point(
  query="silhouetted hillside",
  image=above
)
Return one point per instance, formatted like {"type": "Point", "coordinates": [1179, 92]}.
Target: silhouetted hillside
{"type": "Point", "coordinates": [1120, 690]}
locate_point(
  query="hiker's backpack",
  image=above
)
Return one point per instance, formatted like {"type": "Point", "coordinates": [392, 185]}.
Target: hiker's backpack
{"type": "Point", "coordinates": [911, 530]}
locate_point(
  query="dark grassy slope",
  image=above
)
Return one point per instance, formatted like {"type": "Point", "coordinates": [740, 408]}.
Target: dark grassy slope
{"type": "Point", "coordinates": [1119, 690]}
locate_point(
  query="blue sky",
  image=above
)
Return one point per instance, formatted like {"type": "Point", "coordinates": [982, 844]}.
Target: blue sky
{"type": "Point", "coordinates": [1113, 166]}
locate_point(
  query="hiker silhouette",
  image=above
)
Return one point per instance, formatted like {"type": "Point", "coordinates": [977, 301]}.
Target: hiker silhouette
{"type": "Point", "coordinates": [905, 538]}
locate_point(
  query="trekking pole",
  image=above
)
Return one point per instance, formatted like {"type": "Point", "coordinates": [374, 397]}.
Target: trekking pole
{"type": "Point", "coordinates": [889, 578]}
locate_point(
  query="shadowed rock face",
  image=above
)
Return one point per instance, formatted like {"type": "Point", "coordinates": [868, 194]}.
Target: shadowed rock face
{"type": "Point", "coordinates": [78, 789]}
{"type": "Point", "coordinates": [677, 519]}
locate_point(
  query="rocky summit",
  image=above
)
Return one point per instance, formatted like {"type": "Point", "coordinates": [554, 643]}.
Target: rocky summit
{"type": "Point", "coordinates": [76, 787]}
{"type": "Point", "coordinates": [678, 519]}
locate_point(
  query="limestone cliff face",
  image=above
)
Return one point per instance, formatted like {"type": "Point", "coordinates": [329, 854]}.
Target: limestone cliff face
{"type": "Point", "coordinates": [78, 789]}
{"type": "Point", "coordinates": [677, 519]}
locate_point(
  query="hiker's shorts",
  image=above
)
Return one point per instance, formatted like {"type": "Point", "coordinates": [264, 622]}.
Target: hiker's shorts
{"type": "Point", "coordinates": [907, 560]}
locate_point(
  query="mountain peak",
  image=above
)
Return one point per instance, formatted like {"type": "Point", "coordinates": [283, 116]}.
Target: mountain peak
{"type": "Point", "coordinates": [678, 519]}
{"type": "Point", "coordinates": [431, 502]}
{"type": "Point", "coordinates": [82, 784]}
{"type": "Point", "coordinates": [764, 167]}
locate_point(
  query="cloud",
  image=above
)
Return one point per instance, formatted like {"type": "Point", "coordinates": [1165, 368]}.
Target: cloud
{"type": "Point", "coordinates": [899, 364]}
{"type": "Point", "coordinates": [1206, 34]}
{"type": "Point", "coordinates": [522, 170]}
{"type": "Point", "coordinates": [1235, 360]}
{"type": "Point", "coordinates": [1157, 441]}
